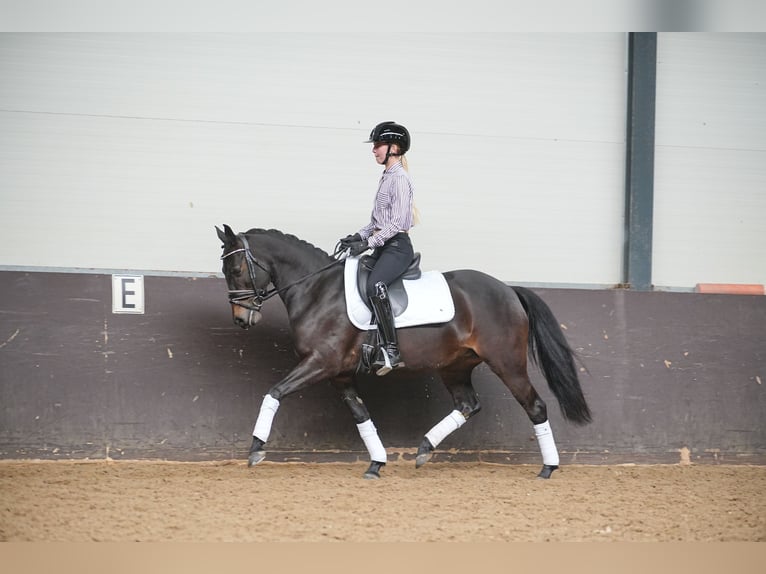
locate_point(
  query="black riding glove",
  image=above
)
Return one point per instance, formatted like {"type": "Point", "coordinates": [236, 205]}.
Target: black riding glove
{"type": "Point", "coordinates": [357, 247]}
{"type": "Point", "coordinates": [346, 241]}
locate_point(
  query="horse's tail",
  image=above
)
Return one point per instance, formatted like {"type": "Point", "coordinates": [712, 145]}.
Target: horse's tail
{"type": "Point", "coordinates": [549, 350]}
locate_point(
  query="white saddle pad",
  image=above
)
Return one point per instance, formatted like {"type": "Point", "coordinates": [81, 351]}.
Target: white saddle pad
{"type": "Point", "coordinates": [430, 300]}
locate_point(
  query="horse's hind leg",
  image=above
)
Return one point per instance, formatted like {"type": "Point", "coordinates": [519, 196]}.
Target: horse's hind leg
{"type": "Point", "coordinates": [367, 430]}
{"type": "Point", "coordinates": [466, 405]}
{"type": "Point", "coordinates": [514, 374]}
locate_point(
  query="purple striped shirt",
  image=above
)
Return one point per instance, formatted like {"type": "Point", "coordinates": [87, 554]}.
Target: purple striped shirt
{"type": "Point", "coordinates": [392, 212]}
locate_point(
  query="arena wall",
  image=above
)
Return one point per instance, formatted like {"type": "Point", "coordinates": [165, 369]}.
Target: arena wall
{"type": "Point", "coordinates": [119, 152]}
{"type": "Point", "coordinates": [671, 377]}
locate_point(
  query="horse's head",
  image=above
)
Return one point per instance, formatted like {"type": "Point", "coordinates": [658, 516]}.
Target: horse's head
{"type": "Point", "coordinates": [246, 278]}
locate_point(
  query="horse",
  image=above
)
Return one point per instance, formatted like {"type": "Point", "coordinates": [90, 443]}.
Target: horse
{"type": "Point", "coordinates": [493, 322]}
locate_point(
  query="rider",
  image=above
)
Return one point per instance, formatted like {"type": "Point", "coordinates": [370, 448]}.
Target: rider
{"type": "Point", "coordinates": [387, 233]}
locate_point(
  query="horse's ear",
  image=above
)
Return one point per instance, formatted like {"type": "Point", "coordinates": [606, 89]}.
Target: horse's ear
{"type": "Point", "coordinates": [227, 236]}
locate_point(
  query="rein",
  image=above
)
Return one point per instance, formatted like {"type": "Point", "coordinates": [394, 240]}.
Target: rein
{"type": "Point", "coordinates": [257, 297]}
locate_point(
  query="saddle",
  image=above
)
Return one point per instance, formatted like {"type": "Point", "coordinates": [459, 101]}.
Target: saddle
{"type": "Point", "coordinates": [396, 291]}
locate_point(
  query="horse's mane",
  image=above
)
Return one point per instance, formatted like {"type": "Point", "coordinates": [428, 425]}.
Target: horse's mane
{"type": "Point", "coordinates": [289, 239]}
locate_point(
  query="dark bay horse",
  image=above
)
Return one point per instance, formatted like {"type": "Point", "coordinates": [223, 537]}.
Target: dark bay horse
{"type": "Point", "coordinates": [493, 323]}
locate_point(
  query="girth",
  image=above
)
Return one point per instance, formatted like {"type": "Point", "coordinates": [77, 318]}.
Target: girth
{"type": "Point", "coordinates": [396, 292]}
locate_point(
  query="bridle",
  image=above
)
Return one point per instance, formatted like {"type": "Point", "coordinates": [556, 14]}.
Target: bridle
{"type": "Point", "coordinates": [253, 299]}
{"type": "Point", "coordinates": [255, 296]}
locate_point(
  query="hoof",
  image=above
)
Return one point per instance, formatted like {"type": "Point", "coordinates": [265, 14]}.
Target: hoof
{"type": "Point", "coordinates": [373, 473]}
{"type": "Point", "coordinates": [425, 452]}
{"type": "Point", "coordinates": [257, 454]}
{"type": "Point", "coordinates": [423, 458]}
{"type": "Point", "coordinates": [256, 457]}
{"type": "Point", "coordinates": [547, 471]}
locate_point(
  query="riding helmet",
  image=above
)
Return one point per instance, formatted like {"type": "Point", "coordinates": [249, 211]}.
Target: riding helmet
{"type": "Point", "coordinates": [391, 132]}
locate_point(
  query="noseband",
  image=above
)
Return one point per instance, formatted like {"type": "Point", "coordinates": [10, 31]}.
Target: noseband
{"type": "Point", "coordinates": [253, 299]}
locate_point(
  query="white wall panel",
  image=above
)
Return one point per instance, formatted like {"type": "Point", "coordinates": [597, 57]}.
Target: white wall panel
{"type": "Point", "coordinates": [121, 151]}
{"type": "Point", "coordinates": [710, 177]}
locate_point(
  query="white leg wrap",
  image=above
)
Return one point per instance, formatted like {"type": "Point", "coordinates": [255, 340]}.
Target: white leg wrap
{"type": "Point", "coordinates": [265, 418]}
{"type": "Point", "coordinates": [544, 436]}
{"type": "Point", "coordinates": [448, 424]}
{"type": "Point", "coordinates": [369, 435]}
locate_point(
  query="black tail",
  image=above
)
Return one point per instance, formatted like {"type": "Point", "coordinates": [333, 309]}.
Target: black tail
{"type": "Point", "coordinates": [549, 350]}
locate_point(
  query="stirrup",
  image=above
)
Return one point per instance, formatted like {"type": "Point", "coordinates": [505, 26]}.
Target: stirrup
{"type": "Point", "coordinates": [387, 366]}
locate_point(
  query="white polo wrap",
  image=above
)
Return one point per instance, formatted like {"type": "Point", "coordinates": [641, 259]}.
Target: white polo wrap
{"type": "Point", "coordinates": [547, 445]}
{"type": "Point", "coordinates": [448, 424]}
{"type": "Point", "coordinates": [265, 418]}
{"type": "Point", "coordinates": [372, 441]}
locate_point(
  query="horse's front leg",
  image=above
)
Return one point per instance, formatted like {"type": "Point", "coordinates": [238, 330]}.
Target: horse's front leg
{"type": "Point", "coordinates": [366, 428]}
{"type": "Point", "coordinates": [308, 371]}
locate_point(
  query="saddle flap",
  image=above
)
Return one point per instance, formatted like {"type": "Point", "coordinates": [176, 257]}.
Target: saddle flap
{"type": "Point", "coordinates": [396, 291]}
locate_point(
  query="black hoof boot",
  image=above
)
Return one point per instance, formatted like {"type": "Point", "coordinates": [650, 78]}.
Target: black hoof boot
{"type": "Point", "coordinates": [547, 471]}
{"type": "Point", "coordinates": [373, 473]}
{"type": "Point", "coordinates": [425, 452]}
{"type": "Point", "coordinates": [257, 454]}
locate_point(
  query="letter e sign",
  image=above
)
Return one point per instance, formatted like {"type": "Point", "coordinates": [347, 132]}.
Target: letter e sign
{"type": "Point", "coordinates": [128, 294]}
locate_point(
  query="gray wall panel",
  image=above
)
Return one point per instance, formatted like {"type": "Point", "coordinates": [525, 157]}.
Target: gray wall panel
{"type": "Point", "coordinates": [710, 174]}
{"type": "Point", "coordinates": [517, 149]}
{"type": "Point", "coordinates": [518, 154]}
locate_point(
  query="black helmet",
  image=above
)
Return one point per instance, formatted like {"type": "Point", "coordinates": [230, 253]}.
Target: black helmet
{"type": "Point", "coordinates": [391, 132]}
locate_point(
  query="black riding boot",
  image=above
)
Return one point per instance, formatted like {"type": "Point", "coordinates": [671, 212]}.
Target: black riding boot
{"type": "Point", "coordinates": [388, 357]}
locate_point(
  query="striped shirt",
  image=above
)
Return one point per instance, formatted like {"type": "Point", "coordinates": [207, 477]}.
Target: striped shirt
{"type": "Point", "coordinates": [392, 211]}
